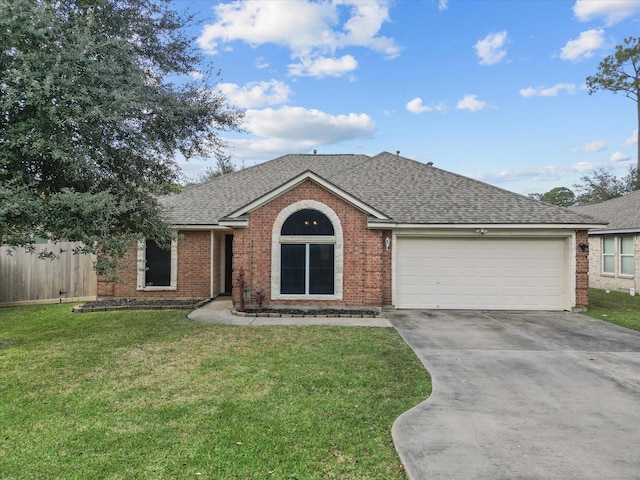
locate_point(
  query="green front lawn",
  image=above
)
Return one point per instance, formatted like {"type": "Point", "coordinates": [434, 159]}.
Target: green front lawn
{"type": "Point", "coordinates": [615, 307]}
{"type": "Point", "coordinates": [151, 395]}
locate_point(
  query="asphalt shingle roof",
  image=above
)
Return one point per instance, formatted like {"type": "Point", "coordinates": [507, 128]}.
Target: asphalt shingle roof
{"type": "Point", "coordinates": [405, 190]}
{"type": "Point", "coordinates": [622, 213]}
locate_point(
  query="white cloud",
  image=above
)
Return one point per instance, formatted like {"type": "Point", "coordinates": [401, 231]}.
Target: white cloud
{"type": "Point", "coordinates": [443, 5]}
{"type": "Point", "coordinates": [416, 106]}
{"type": "Point", "coordinates": [582, 167]}
{"type": "Point", "coordinates": [309, 29]}
{"type": "Point", "coordinates": [256, 94]}
{"type": "Point", "coordinates": [491, 49]}
{"type": "Point", "coordinates": [471, 103]}
{"type": "Point", "coordinates": [364, 24]}
{"type": "Point", "coordinates": [262, 63]}
{"type": "Point", "coordinates": [308, 125]}
{"type": "Point", "coordinates": [554, 173]}
{"type": "Point", "coordinates": [582, 47]}
{"type": "Point", "coordinates": [619, 157]}
{"type": "Point", "coordinates": [267, 148]}
{"type": "Point", "coordinates": [612, 11]}
{"type": "Point", "coordinates": [595, 146]}
{"type": "Point", "coordinates": [591, 147]}
{"type": "Point", "coordinates": [632, 140]}
{"type": "Point", "coordinates": [294, 24]}
{"type": "Point", "coordinates": [548, 91]}
{"type": "Point", "coordinates": [196, 75]}
{"type": "Point", "coordinates": [294, 129]}
{"type": "Point", "coordinates": [546, 173]}
{"type": "Point", "coordinates": [324, 67]}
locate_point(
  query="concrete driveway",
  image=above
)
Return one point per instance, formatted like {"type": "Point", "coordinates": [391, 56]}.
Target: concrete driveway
{"type": "Point", "coordinates": [519, 395]}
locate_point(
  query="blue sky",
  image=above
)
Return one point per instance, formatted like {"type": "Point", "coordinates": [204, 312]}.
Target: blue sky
{"type": "Point", "coordinates": [494, 90]}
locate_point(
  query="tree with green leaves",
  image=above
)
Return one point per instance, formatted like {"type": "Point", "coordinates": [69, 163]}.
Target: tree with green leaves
{"type": "Point", "coordinates": [96, 100]}
{"type": "Point", "coordinates": [595, 187]}
{"type": "Point", "coordinates": [620, 72]}
{"type": "Point", "coordinates": [602, 185]}
{"type": "Point", "coordinates": [224, 165]}
{"type": "Point", "coordinates": [561, 196]}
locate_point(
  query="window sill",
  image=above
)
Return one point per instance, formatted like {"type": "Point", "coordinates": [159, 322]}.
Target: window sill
{"type": "Point", "coordinates": [157, 289]}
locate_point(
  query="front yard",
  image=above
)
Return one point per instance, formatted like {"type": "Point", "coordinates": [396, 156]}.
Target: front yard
{"type": "Point", "coordinates": [149, 394]}
{"type": "Point", "coordinates": [615, 307]}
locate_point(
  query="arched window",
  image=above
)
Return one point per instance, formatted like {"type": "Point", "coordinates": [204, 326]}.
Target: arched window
{"type": "Point", "coordinates": [307, 222]}
{"type": "Point", "coordinates": [307, 253]}
{"type": "Point", "coordinates": [307, 262]}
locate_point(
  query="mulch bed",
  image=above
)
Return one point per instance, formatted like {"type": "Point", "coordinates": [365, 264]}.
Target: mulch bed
{"type": "Point", "coordinates": [192, 304]}
{"type": "Point", "coordinates": [137, 304]}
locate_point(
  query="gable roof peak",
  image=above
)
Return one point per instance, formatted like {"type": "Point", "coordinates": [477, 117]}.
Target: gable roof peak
{"type": "Point", "coordinates": [299, 179]}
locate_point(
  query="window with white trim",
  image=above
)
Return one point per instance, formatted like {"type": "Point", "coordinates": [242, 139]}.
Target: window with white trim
{"type": "Point", "coordinates": [608, 255]}
{"type": "Point", "coordinates": [626, 255]}
{"type": "Point", "coordinates": [307, 254]}
{"type": "Point", "coordinates": [307, 251]}
{"type": "Point", "coordinates": [157, 266]}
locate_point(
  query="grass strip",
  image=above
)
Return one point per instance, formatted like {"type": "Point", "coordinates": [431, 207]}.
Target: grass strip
{"type": "Point", "coordinates": [619, 308]}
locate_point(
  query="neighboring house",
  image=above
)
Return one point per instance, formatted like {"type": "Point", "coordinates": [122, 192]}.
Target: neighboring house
{"type": "Point", "coordinates": [360, 231]}
{"type": "Point", "coordinates": [614, 250]}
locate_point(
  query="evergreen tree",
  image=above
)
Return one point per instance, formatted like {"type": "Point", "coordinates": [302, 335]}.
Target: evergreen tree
{"type": "Point", "coordinates": [96, 100]}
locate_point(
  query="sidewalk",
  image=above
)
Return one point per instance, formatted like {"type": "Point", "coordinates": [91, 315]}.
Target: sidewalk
{"type": "Point", "coordinates": [219, 311]}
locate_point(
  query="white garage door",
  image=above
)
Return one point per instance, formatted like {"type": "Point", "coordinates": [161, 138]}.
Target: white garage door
{"type": "Point", "coordinates": [481, 273]}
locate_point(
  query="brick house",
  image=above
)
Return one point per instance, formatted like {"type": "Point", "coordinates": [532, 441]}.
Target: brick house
{"type": "Point", "coordinates": [614, 250]}
{"type": "Point", "coordinates": [361, 231]}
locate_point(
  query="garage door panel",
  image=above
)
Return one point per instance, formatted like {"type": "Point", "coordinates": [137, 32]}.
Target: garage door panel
{"type": "Point", "coordinates": [480, 273]}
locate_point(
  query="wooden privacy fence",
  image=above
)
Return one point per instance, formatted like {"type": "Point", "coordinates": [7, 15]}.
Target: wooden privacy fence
{"type": "Point", "coordinates": [25, 278]}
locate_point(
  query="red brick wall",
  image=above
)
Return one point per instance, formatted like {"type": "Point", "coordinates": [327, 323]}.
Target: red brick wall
{"type": "Point", "coordinates": [363, 254]}
{"type": "Point", "coordinates": [582, 271]}
{"type": "Point", "coordinates": [194, 267]}
{"type": "Point", "coordinates": [194, 264]}
{"type": "Point", "coordinates": [367, 264]}
{"type": "Point", "coordinates": [386, 269]}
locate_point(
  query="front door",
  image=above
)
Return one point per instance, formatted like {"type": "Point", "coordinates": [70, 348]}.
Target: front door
{"type": "Point", "coordinates": [228, 263]}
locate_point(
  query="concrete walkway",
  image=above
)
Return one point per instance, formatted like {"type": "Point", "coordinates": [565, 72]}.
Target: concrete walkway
{"type": "Point", "coordinates": [521, 396]}
{"type": "Point", "coordinates": [219, 311]}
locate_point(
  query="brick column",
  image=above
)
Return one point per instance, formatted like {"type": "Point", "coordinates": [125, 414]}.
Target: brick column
{"type": "Point", "coordinates": [582, 271]}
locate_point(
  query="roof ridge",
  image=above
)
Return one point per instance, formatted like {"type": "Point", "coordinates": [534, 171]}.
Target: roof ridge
{"type": "Point", "coordinates": [620, 198]}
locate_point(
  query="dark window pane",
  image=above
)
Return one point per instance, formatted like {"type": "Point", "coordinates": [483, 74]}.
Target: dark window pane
{"type": "Point", "coordinates": [321, 269]}
{"type": "Point", "coordinates": [158, 265]}
{"type": "Point", "coordinates": [292, 271]}
{"type": "Point", "coordinates": [307, 222]}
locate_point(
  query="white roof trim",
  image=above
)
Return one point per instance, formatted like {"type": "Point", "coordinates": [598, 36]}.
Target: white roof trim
{"type": "Point", "coordinates": [235, 223]}
{"type": "Point", "coordinates": [177, 226]}
{"type": "Point", "coordinates": [601, 231]}
{"type": "Point", "coordinates": [430, 226]}
{"type": "Point", "coordinates": [294, 182]}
